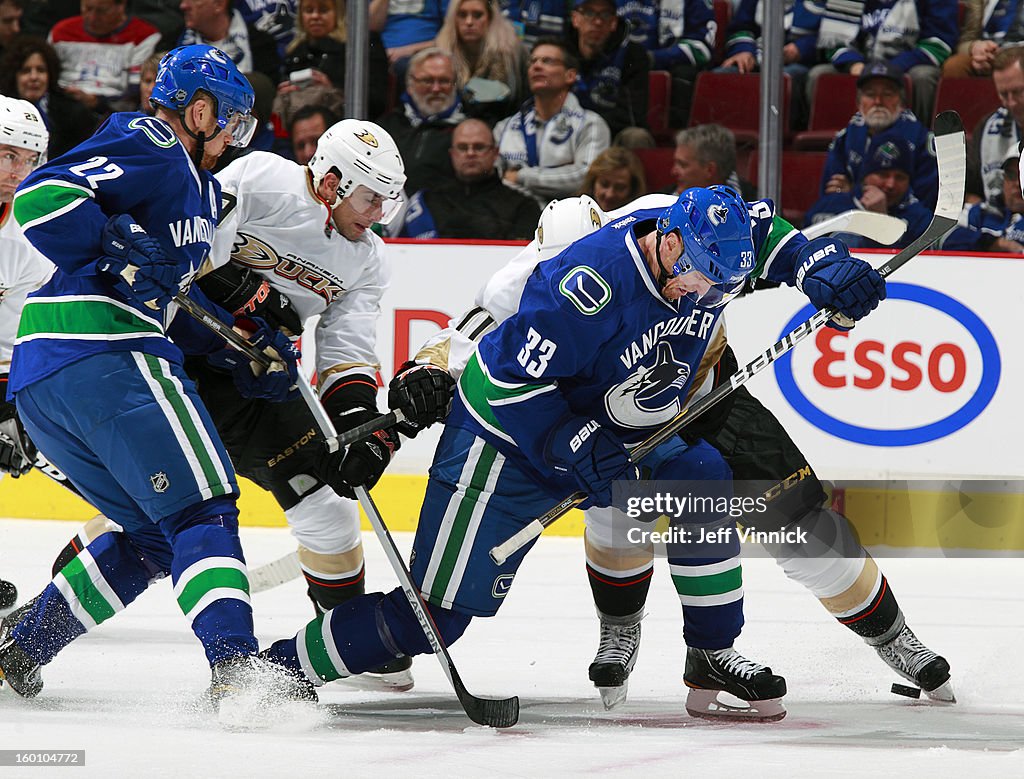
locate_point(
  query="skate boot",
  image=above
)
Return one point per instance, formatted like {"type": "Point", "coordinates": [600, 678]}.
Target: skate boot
{"type": "Point", "coordinates": [616, 656]}
{"type": "Point", "coordinates": [395, 675]}
{"type": "Point", "coordinates": [8, 596]}
{"type": "Point", "coordinates": [916, 663]}
{"type": "Point", "coordinates": [244, 689]}
{"type": "Point", "coordinates": [17, 669]}
{"type": "Point", "coordinates": [713, 671]}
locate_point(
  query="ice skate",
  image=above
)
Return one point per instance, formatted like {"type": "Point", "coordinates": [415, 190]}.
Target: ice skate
{"type": "Point", "coordinates": [248, 692]}
{"type": "Point", "coordinates": [8, 597]}
{"type": "Point", "coordinates": [757, 690]}
{"type": "Point", "coordinates": [616, 656]}
{"type": "Point", "coordinates": [17, 670]}
{"type": "Point", "coordinates": [394, 675]}
{"type": "Point", "coordinates": [916, 663]}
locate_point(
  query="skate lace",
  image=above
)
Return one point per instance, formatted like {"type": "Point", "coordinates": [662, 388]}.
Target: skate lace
{"type": "Point", "coordinates": [906, 653]}
{"type": "Point", "coordinates": [618, 642]}
{"type": "Point", "coordinates": [735, 663]}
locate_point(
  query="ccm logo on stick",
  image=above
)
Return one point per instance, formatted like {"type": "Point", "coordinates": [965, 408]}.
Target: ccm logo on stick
{"type": "Point", "coordinates": [931, 372]}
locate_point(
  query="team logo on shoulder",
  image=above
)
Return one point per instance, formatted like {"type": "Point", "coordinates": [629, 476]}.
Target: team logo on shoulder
{"type": "Point", "coordinates": [367, 137]}
{"type": "Point", "coordinates": [718, 214]}
{"type": "Point", "coordinates": [502, 585]}
{"type": "Point", "coordinates": [157, 130]}
{"type": "Point", "coordinates": [651, 394]}
{"type": "Point", "coordinates": [586, 289]}
{"type": "Point", "coordinates": [160, 482]}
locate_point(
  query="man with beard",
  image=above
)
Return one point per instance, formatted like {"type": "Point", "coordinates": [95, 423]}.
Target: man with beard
{"type": "Point", "coordinates": [422, 125]}
{"type": "Point", "coordinates": [881, 107]}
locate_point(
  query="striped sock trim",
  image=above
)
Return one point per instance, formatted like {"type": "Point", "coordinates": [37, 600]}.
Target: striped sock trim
{"type": "Point", "coordinates": [714, 584]}
{"type": "Point", "coordinates": [89, 595]}
{"type": "Point", "coordinates": [623, 579]}
{"type": "Point", "coordinates": [318, 655]}
{"type": "Point", "coordinates": [334, 579]}
{"type": "Point", "coordinates": [209, 580]}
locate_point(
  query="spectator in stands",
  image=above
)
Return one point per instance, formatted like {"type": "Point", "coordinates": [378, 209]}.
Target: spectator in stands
{"type": "Point", "coordinates": [41, 15]}
{"type": "Point", "coordinates": [101, 52]}
{"type": "Point", "coordinates": [321, 36]}
{"type": "Point", "coordinates": [999, 133]}
{"type": "Point", "coordinates": [679, 37]}
{"type": "Point", "coordinates": [612, 77]}
{"type": "Point", "coordinates": [165, 15]}
{"type": "Point", "coordinates": [536, 19]}
{"type": "Point", "coordinates": [986, 27]}
{"type": "Point", "coordinates": [547, 147]}
{"type": "Point", "coordinates": [30, 70]}
{"type": "Point", "coordinates": [147, 78]}
{"type": "Point", "coordinates": [799, 53]}
{"type": "Point", "coordinates": [488, 57]}
{"type": "Point", "coordinates": [990, 229]}
{"type": "Point", "coordinates": [880, 109]}
{"type": "Point", "coordinates": [308, 124]}
{"type": "Point", "coordinates": [276, 18]}
{"type": "Point", "coordinates": [706, 155]}
{"type": "Point", "coordinates": [216, 23]}
{"type": "Point", "coordinates": [884, 187]}
{"type": "Point", "coordinates": [422, 125]}
{"type": "Point", "coordinates": [409, 26]}
{"type": "Point", "coordinates": [915, 35]}
{"type": "Point", "coordinates": [10, 22]}
{"type": "Point", "coordinates": [615, 178]}
{"type": "Point", "coordinates": [475, 203]}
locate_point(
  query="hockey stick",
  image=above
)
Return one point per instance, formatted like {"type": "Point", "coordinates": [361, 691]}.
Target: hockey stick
{"type": "Point", "coordinates": [275, 573]}
{"type": "Point", "coordinates": [497, 713]}
{"type": "Point", "coordinates": [951, 154]}
{"type": "Point", "coordinates": [880, 228]}
{"type": "Point", "coordinates": [229, 334]}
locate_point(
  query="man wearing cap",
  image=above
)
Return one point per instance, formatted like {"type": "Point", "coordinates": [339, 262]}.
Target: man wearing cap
{"type": "Point", "coordinates": [990, 228]}
{"type": "Point", "coordinates": [881, 108]}
{"type": "Point", "coordinates": [883, 187]}
{"type": "Point", "coordinates": [612, 78]}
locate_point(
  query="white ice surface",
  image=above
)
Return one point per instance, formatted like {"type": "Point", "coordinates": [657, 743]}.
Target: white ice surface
{"type": "Point", "coordinates": [123, 693]}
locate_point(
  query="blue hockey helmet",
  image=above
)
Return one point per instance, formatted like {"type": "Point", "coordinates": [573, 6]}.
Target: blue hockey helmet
{"type": "Point", "coordinates": [716, 231]}
{"type": "Point", "coordinates": [188, 69]}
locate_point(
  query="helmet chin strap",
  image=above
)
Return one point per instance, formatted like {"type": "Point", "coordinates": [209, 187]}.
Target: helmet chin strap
{"type": "Point", "coordinates": [200, 138]}
{"type": "Point", "coordinates": [663, 277]}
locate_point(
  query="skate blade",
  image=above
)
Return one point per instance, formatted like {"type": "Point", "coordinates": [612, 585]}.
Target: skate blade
{"type": "Point", "coordinates": [399, 681]}
{"type": "Point", "coordinates": [942, 694]}
{"type": "Point", "coordinates": [705, 704]}
{"type": "Point", "coordinates": [612, 696]}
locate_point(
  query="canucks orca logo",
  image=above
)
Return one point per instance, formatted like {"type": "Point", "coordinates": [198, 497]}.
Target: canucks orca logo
{"type": "Point", "coordinates": [718, 214]}
{"type": "Point", "coordinates": [649, 396]}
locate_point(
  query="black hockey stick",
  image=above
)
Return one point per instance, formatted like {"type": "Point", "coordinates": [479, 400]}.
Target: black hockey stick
{"type": "Point", "coordinates": [229, 334]}
{"type": "Point", "coordinates": [497, 713]}
{"type": "Point", "coordinates": [952, 162]}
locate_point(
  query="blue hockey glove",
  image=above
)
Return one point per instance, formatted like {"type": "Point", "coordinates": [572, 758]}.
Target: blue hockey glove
{"type": "Point", "coordinates": [829, 276]}
{"type": "Point", "coordinates": [590, 454]}
{"type": "Point", "coordinates": [252, 381]}
{"type": "Point", "coordinates": [139, 260]}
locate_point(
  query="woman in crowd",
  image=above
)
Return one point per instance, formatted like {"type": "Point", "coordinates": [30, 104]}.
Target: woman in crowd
{"type": "Point", "coordinates": [30, 70]}
{"type": "Point", "coordinates": [615, 177]}
{"type": "Point", "coordinates": [488, 58]}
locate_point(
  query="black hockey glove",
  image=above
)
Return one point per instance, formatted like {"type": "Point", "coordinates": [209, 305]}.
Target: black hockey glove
{"type": "Point", "coordinates": [138, 260]}
{"type": "Point", "coordinates": [362, 463]}
{"type": "Point", "coordinates": [17, 453]}
{"type": "Point", "coordinates": [245, 293]}
{"type": "Point", "coordinates": [423, 393]}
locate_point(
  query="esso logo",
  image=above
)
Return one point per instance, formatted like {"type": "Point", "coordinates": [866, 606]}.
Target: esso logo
{"type": "Point", "coordinates": [889, 384]}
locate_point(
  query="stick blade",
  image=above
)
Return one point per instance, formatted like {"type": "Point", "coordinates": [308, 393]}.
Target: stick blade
{"type": "Point", "coordinates": [492, 712]}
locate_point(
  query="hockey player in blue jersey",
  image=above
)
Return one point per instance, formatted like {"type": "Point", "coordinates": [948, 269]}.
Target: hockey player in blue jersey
{"type": "Point", "coordinates": [548, 404]}
{"type": "Point", "coordinates": [128, 218]}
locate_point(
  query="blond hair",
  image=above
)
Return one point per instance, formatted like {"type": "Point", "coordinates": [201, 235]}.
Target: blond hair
{"type": "Point", "coordinates": [339, 33]}
{"type": "Point", "coordinates": [501, 55]}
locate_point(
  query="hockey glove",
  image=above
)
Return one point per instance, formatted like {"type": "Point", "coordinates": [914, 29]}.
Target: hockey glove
{"type": "Point", "coordinates": [829, 276]}
{"type": "Point", "coordinates": [139, 260]}
{"type": "Point", "coordinates": [17, 453]}
{"type": "Point", "coordinates": [362, 463]}
{"type": "Point", "coordinates": [244, 292]}
{"type": "Point", "coordinates": [276, 384]}
{"type": "Point", "coordinates": [423, 393]}
{"type": "Point", "coordinates": [590, 454]}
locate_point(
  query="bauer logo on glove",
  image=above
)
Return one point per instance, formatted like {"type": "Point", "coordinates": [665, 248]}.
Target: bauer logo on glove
{"type": "Point", "coordinates": [831, 278]}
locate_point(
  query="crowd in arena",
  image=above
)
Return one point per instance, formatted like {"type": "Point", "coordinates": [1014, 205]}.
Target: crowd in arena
{"type": "Point", "coordinates": [499, 106]}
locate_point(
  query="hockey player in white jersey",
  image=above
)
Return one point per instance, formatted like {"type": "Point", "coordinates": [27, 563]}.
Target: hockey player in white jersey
{"type": "Point", "coordinates": [841, 573]}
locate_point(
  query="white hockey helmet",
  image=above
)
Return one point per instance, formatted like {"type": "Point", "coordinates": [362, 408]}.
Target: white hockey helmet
{"type": "Point", "coordinates": [22, 126]}
{"type": "Point", "coordinates": [565, 221]}
{"type": "Point", "coordinates": [361, 154]}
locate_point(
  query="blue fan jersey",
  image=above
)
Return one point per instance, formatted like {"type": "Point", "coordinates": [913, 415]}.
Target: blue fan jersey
{"type": "Point", "coordinates": [135, 165]}
{"type": "Point", "coordinates": [594, 338]}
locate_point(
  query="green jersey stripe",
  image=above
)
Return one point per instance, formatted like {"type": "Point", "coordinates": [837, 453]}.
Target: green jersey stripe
{"type": "Point", "coordinates": [42, 317]}
{"type": "Point", "coordinates": [46, 201]}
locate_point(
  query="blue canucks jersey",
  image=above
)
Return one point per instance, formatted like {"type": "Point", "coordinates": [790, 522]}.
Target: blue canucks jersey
{"type": "Point", "coordinates": [593, 337]}
{"type": "Point", "coordinates": [135, 165]}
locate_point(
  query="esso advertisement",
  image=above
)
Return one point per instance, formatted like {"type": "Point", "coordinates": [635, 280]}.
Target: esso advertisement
{"type": "Point", "coordinates": [925, 384]}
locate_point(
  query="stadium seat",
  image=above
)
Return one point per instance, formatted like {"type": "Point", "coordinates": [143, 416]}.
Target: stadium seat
{"type": "Point", "coordinates": [659, 96]}
{"type": "Point", "coordinates": [972, 98]}
{"type": "Point", "coordinates": [734, 100]}
{"type": "Point", "coordinates": [801, 176]}
{"type": "Point", "coordinates": [657, 167]}
{"type": "Point", "coordinates": [723, 15]}
{"type": "Point", "coordinates": [833, 103]}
